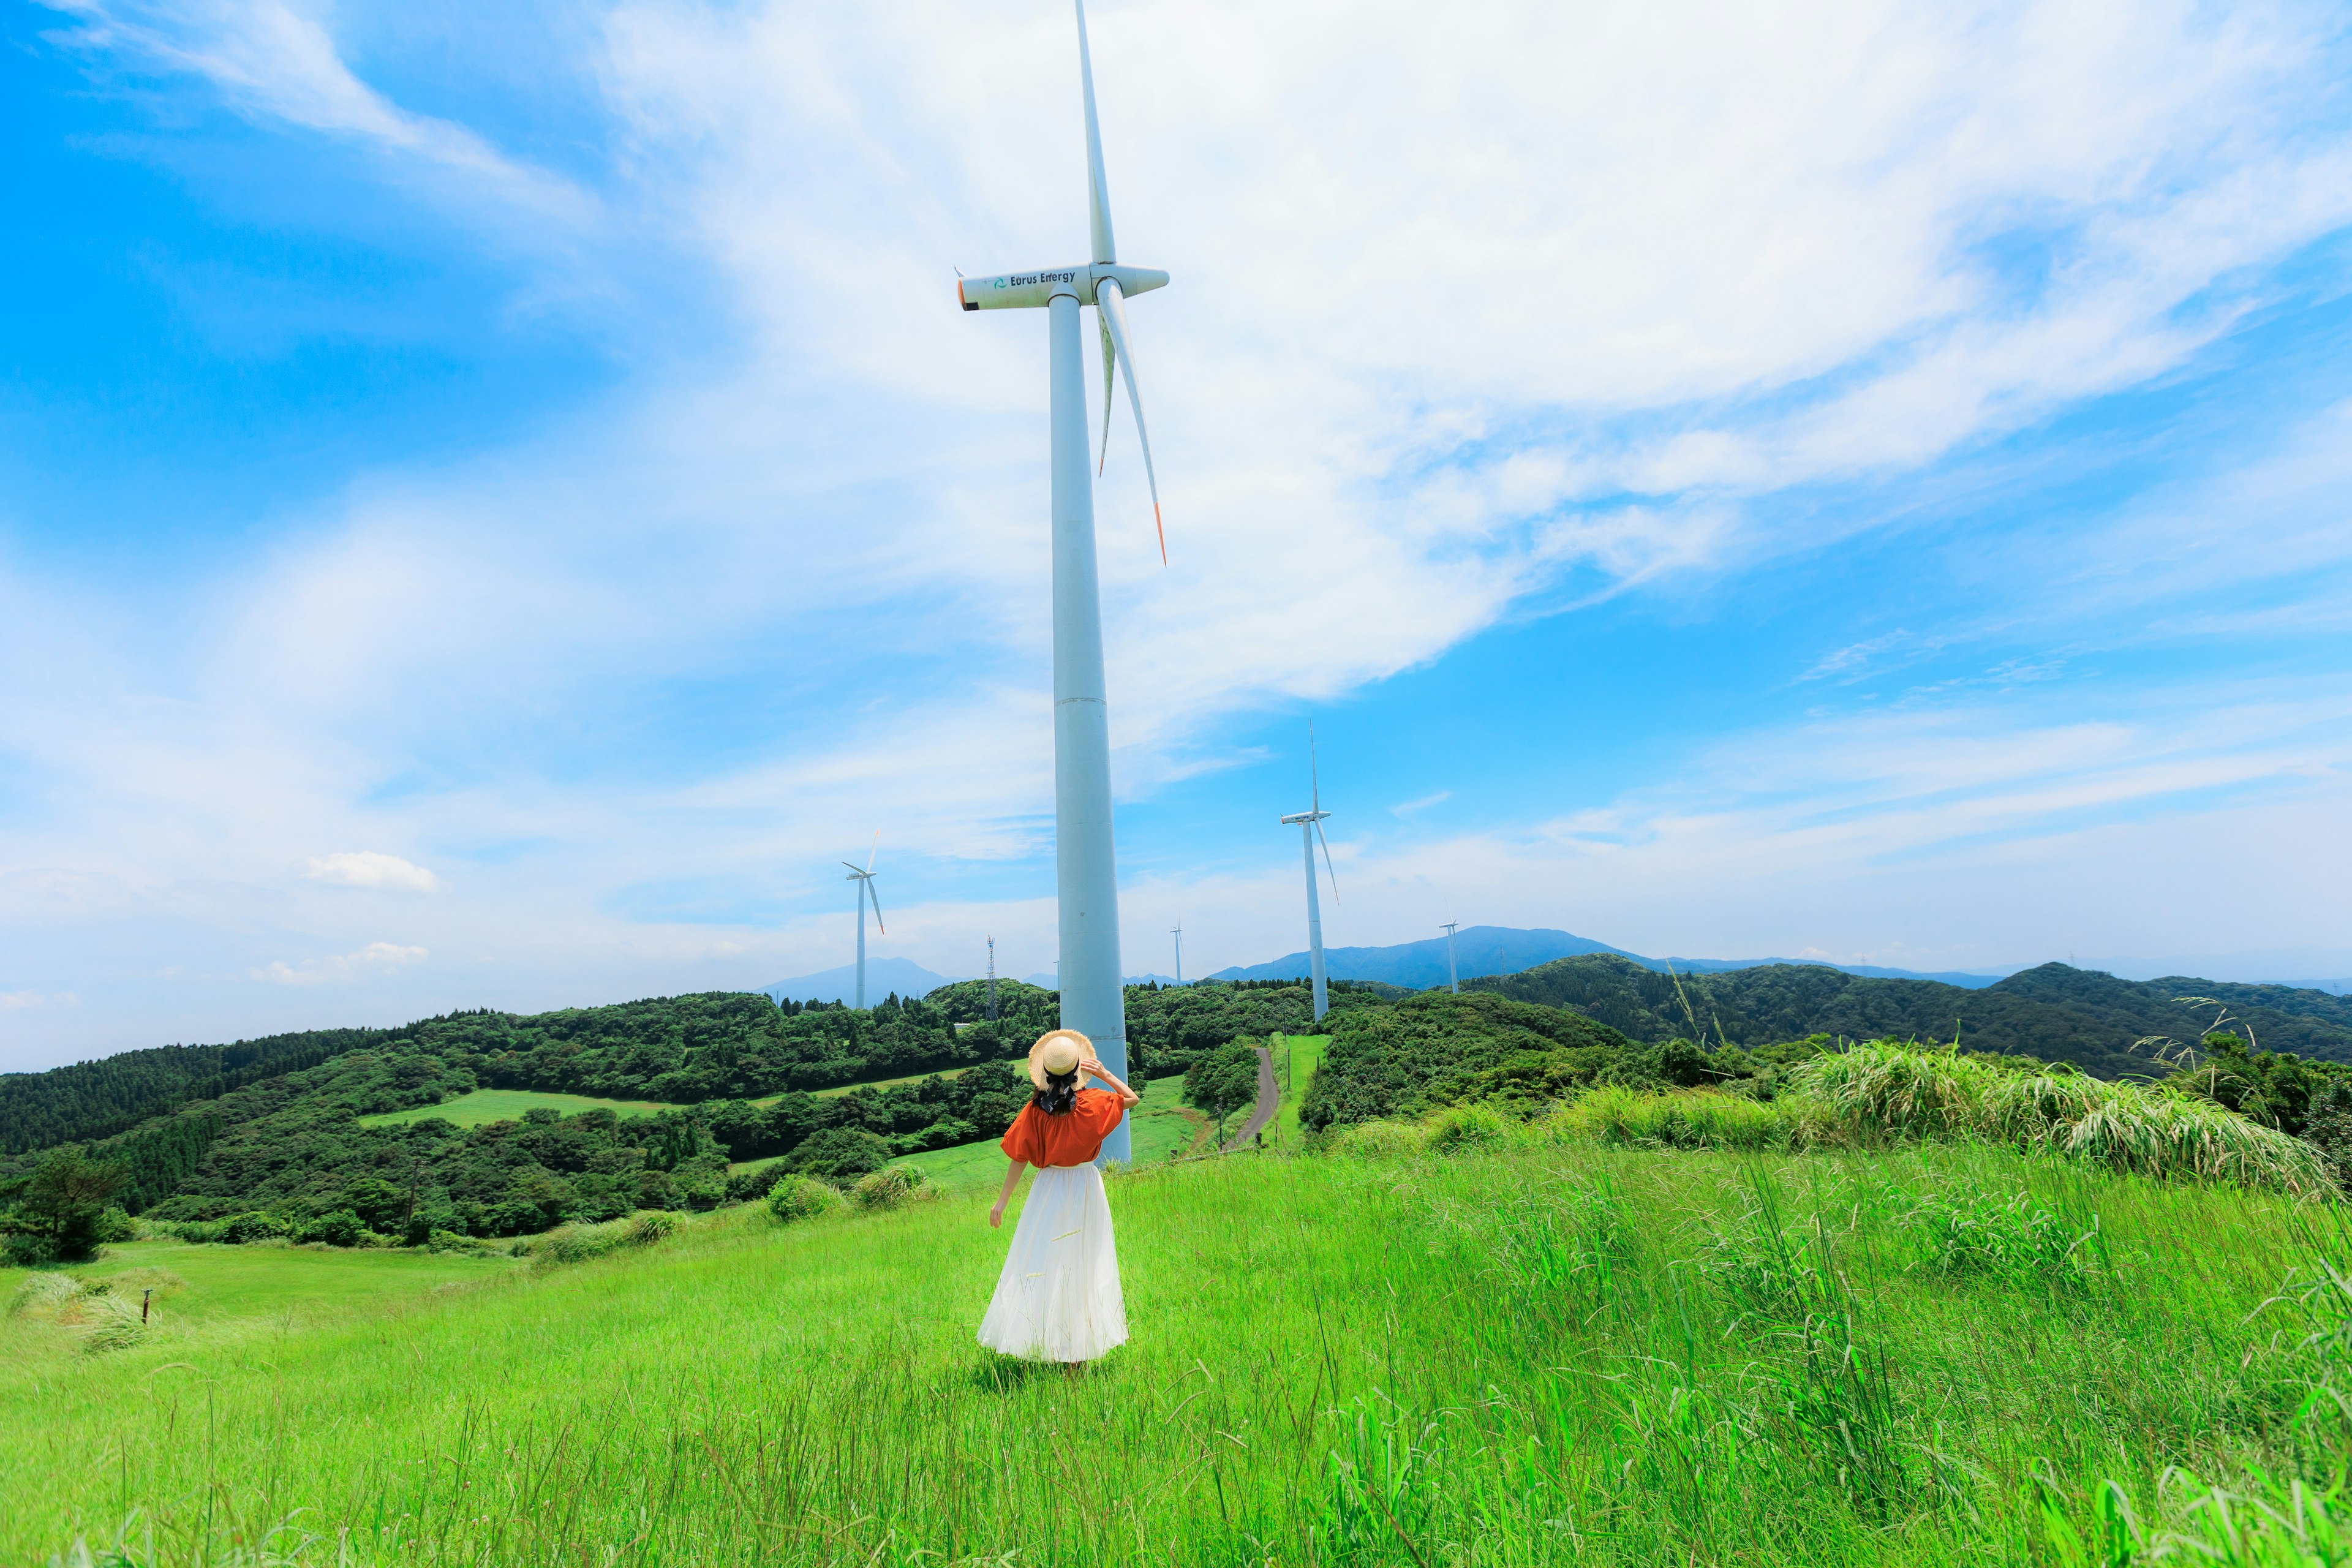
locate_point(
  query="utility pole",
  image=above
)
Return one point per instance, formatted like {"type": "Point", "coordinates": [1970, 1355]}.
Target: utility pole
{"type": "Point", "coordinates": [1452, 970]}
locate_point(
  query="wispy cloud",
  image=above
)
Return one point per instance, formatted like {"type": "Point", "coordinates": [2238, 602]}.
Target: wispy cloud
{"type": "Point", "coordinates": [370, 868]}
{"type": "Point", "coordinates": [1406, 808]}
{"type": "Point", "coordinates": [375, 958]}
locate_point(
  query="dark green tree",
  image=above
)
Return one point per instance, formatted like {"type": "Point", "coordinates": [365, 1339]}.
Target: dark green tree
{"type": "Point", "coordinates": [59, 1215]}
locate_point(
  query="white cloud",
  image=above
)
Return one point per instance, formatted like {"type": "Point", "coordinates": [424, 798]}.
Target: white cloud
{"type": "Point", "coordinates": [1406, 808]}
{"type": "Point", "coordinates": [370, 868]}
{"type": "Point", "coordinates": [273, 61]}
{"type": "Point", "coordinates": [375, 958]}
{"type": "Point", "coordinates": [15, 999]}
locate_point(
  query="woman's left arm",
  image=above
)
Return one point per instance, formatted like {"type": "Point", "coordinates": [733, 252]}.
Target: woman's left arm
{"type": "Point", "coordinates": [1096, 1070]}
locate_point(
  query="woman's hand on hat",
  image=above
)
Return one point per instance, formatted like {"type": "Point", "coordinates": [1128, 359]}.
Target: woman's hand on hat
{"type": "Point", "coordinates": [1089, 1067]}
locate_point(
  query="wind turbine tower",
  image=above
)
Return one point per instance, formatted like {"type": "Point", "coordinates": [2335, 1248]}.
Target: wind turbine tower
{"type": "Point", "coordinates": [1178, 933]}
{"type": "Point", "coordinates": [991, 980]}
{"type": "Point", "coordinates": [1311, 829]}
{"type": "Point", "coordinates": [865, 893]}
{"type": "Point", "coordinates": [1094, 1002]}
{"type": "Point", "coordinates": [1452, 971]}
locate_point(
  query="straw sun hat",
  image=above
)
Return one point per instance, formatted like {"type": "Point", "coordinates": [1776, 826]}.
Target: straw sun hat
{"type": "Point", "coordinates": [1058, 1050]}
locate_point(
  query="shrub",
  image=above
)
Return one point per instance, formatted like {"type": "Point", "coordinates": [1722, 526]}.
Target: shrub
{"type": "Point", "coordinates": [579, 1243]}
{"type": "Point", "coordinates": [44, 1292]}
{"type": "Point", "coordinates": [894, 1186]}
{"type": "Point", "coordinates": [1473, 1126]}
{"type": "Point", "coordinates": [24, 1249]}
{"type": "Point", "coordinates": [251, 1226]}
{"type": "Point", "coordinates": [2158, 1132]}
{"type": "Point", "coordinates": [339, 1228]}
{"type": "Point", "coordinates": [745, 1185]}
{"type": "Point", "coordinates": [1692, 1119]}
{"type": "Point", "coordinates": [61, 1206]}
{"type": "Point", "coordinates": [1880, 1090]}
{"type": "Point", "coordinates": [450, 1241]}
{"type": "Point", "coordinates": [798, 1197]}
{"type": "Point", "coordinates": [840, 1155]}
{"type": "Point", "coordinates": [1379, 1140]}
{"type": "Point", "coordinates": [109, 1322]}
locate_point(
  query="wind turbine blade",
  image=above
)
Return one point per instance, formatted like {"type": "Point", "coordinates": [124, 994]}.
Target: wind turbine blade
{"type": "Point", "coordinates": [852, 869]}
{"type": "Point", "coordinates": [871, 853]}
{"type": "Point", "coordinates": [1314, 777]}
{"type": "Point", "coordinates": [1111, 360]}
{"type": "Point", "coordinates": [1097, 192]}
{"type": "Point", "coordinates": [868, 886]}
{"type": "Point", "coordinates": [1111, 306]}
{"type": "Point", "coordinates": [1327, 866]}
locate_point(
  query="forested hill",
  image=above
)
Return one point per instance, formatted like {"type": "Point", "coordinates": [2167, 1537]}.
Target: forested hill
{"type": "Point", "coordinates": [2054, 1012]}
{"type": "Point", "coordinates": [292, 1135]}
{"type": "Point", "coordinates": [98, 1098]}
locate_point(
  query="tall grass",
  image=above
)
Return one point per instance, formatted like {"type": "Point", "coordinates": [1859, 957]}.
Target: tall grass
{"type": "Point", "coordinates": [1882, 1090]}
{"type": "Point", "coordinates": [1504, 1354]}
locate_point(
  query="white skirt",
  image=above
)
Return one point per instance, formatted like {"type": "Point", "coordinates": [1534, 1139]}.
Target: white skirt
{"type": "Point", "coordinates": [1059, 1297]}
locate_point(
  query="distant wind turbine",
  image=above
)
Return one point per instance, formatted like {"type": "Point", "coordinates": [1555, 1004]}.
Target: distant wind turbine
{"type": "Point", "coordinates": [1178, 933]}
{"type": "Point", "coordinates": [1094, 1000]}
{"type": "Point", "coordinates": [991, 980]}
{"type": "Point", "coordinates": [1311, 829]}
{"type": "Point", "coordinates": [864, 880]}
{"type": "Point", "coordinates": [1452, 971]}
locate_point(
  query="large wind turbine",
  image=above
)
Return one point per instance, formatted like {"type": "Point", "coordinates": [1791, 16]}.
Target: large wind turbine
{"type": "Point", "coordinates": [1311, 829]}
{"type": "Point", "coordinates": [864, 880]}
{"type": "Point", "coordinates": [1177, 930]}
{"type": "Point", "coordinates": [1086, 872]}
{"type": "Point", "coordinates": [1452, 971]}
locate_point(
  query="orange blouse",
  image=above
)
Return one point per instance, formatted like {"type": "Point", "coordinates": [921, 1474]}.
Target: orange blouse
{"type": "Point", "coordinates": [1038, 1139]}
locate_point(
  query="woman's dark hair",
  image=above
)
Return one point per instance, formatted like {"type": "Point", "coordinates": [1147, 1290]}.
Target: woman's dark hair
{"type": "Point", "coordinates": [1060, 1095]}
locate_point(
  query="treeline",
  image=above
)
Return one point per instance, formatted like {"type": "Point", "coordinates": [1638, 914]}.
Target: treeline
{"type": "Point", "coordinates": [98, 1098]}
{"type": "Point", "coordinates": [296, 1147]}
{"type": "Point", "coordinates": [2056, 1012]}
{"type": "Point", "coordinates": [312, 1155]}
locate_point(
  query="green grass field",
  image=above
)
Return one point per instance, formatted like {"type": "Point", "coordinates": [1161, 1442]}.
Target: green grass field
{"type": "Point", "coordinates": [1563, 1354]}
{"type": "Point", "coordinates": [484, 1105]}
{"type": "Point", "coordinates": [1296, 1058]}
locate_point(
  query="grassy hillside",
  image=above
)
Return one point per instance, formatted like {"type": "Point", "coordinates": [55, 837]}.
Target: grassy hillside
{"type": "Point", "coordinates": [1537, 1355]}
{"type": "Point", "coordinates": [2053, 1012]}
{"type": "Point", "coordinates": [486, 1105]}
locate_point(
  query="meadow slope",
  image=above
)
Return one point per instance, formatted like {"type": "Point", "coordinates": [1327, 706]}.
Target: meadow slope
{"type": "Point", "coordinates": [1533, 1355]}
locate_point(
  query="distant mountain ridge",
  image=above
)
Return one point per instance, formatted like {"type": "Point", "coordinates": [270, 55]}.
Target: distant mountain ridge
{"type": "Point", "coordinates": [1507, 950]}
{"type": "Point", "coordinates": [2054, 1012]}
{"type": "Point", "coordinates": [882, 976]}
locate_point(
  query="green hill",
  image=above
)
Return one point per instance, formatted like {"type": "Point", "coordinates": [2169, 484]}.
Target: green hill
{"type": "Point", "coordinates": [499, 1124]}
{"type": "Point", "coordinates": [2056, 1012]}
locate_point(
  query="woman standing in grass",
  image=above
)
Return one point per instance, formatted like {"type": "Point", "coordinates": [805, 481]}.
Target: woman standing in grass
{"type": "Point", "coordinates": [1058, 1299]}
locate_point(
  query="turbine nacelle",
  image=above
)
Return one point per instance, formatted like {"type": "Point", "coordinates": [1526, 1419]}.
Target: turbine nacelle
{"type": "Point", "coordinates": [1035, 290]}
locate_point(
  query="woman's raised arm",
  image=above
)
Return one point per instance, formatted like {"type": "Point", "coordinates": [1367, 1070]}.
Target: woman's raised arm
{"type": "Point", "coordinates": [1089, 1067]}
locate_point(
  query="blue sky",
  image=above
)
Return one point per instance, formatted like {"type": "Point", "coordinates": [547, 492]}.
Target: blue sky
{"type": "Point", "coordinates": [497, 501]}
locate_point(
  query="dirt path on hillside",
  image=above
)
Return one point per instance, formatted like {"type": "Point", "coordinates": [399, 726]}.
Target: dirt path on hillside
{"type": "Point", "coordinates": [1269, 1100]}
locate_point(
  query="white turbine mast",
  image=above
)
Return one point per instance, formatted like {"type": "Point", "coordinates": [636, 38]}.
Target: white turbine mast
{"type": "Point", "coordinates": [865, 893]}
{"type": "Point", "coordinates": [1452, 971]}
{"type": "Point", "coordinates": [1088, 971]}
{"type": "Point", "coordinates": [1177, 930]}
{"type": "Point", "coordinates": [1311, 829]}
